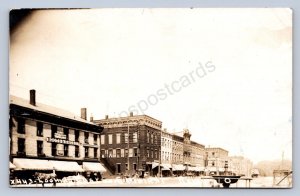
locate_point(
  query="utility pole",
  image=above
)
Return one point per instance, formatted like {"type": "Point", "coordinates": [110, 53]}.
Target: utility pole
{"type": "Point", "coordinates": [128, 150]}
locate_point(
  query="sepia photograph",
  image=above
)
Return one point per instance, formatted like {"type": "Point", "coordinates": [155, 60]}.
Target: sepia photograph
{"type": "Point", "coordinates": [151, 97]}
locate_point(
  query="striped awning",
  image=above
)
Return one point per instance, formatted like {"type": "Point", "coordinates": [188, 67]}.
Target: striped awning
{"type": "Point", "coordinates": [93, 167]}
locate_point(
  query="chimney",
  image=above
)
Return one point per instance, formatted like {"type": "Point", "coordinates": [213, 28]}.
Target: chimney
{"type": "Point", "coordinates": [32, 97]}
{"type": "Point", "coordinates": [131, 114]}
{"type": "Point", "coordinates": [106, 117]}
{"type": "Point", "coordinates": [83, 113]}
{"type": "Point", "coordinates": [91, 118]}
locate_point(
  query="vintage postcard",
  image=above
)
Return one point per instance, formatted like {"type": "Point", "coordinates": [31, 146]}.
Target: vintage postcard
{"type": "Point", "coordinates": [162, 97]}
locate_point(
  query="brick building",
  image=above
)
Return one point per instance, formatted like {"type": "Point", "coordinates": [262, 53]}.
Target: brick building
{"type": "Point", "coordinates": [48, 139]}
{"type": "Point", "coordinates": [131, 144]}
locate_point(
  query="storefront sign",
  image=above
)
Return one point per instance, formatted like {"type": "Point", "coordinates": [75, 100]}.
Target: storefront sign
{"type": "Point", "coordinates": [61, 141]}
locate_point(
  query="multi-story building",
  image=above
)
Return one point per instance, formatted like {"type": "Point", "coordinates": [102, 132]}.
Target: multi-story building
{"type": "Point", "coordinates": [47, 139]}
{"type": "Point", "coordinates": [130, 144]}
{"type": "Point", "coordinates": [240, 165]}
{"type": "Point", "coordinates": [166, 148]}
{"type": "Point", "coordinates": [215, 158]}
{"type": "Point", "coordinates": [191, 151]}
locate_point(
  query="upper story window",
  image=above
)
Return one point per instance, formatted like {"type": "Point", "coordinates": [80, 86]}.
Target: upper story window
{"type": "Point", "coordinates": [126, 137]}
{"type": "Point", "coordinates": [86, 137]}
{"type": "Point", "coordinates": [66, 133]}
{"type": "Point", "coordinates": [102, 139]}
{"type": "Point", "coordinates": [148, 137]}
{"type": "Point", "coordinates": [66, 150]}
{"type": "Point", "coordinates": [40, 147]}
{"type": "Point", "coordinates": [110, 139]}
{"type": "Point", "coordinates": [118, 135]}
{"type": "Point", "coordinates": [95, 139]}
{"type": "Point", "coordinates": [86, 151]}
{"type": "Point", "coordinates": [76, 151]}
{"type": "Point", "coordinates": [21, 125]}
{"type": "Point", "coordinates": [135, 137]}
{"type": "Point", "coordinates": [39, 128]}
{"type": "Point", "coordinates": [76, 135]}
{"type": "Point", "coordinates": [53, 130]}
{"type": "Point", "coordinates": [21, 145]}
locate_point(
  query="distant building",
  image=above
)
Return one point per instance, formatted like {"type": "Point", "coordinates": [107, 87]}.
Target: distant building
{"type": "Point", "coordinates": [215, 158]}
{"type": "Point", "coordinates": [131, 144]}
{"type": "Point", "coordinates": [48, 139]}
{"type": "Point", "coordinates": [240, 165]}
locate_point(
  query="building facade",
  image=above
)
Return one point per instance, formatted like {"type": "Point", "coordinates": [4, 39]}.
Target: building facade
{"type": "Point", "coordinates": [130, 144]}
{"type": "Point", "coordinates": [215, 158]}
{"type": "Point", "coordinates": [47, 139]}
{"type": "Point", "coordinates": [240, 165]}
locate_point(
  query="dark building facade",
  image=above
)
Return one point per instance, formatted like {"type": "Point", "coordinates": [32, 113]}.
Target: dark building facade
{"type": "Point", "coordinates": [138, 152]}
{"type": "Point", "coordinates": [47, 139]}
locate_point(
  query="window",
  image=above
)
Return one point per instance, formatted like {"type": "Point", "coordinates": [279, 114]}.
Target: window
{"type": "Point", "coordinates": [213, 164]}
{"type": "Point", "coordinates": [122, 152]}
{"type": "Point", "coordinates": [103, 153]}
{"type": "Point", "coordinates": [86, 151]}
{"type": "Point", "coordinates": [21, 145]}
{"type": "Point", "coordinates": [76, 136]}
{"type": "Point", "coordinates": [126, 137]}
{"type": "Point", "coordinates": [102, 139]}
{"type": "Point", "coordinates": [76, 151]}
{"type": "Point", "coordinates": [86, 137]}
{"type": "Point", "coordinates": [21, 125]}
{"type": "Point", "coordinates": [39, 147]}
{"type": "Point", "coordinates": [126, 152]}
{"type": "Point", "coordinates": [53, 149]}
{"type": "Point", "coordinates": [148, 154]}
{"type": "Point", "coordinates": [155, 154]}
{"type": "Point", "coordinates": [134, 167]}
{"type": "Point", "coordinates": [66, 150]}
{"type": "Point", "coordinates": [118, 138]}
{"type": "Point", "coordinates": [151, 153]}
{"type": "Point", "coordinates": [110, 139]}
{"type": "Point", "coordinates": [95, 152]}
{"type": "Point", "coordinates": [126, 166]}
{"type": "Point", "coordinates": [39, 128]}
{"type": "Point", "coordinates": [53, 130]}
{"type": "Point", "coordinates": [95, 139]}
{"type": "Point", "coordinates": [152, 138]}
{"type": "Point", "coordinates": [135, 137]}
{"type": "Point", "coordinates": [148, 137]}
{"type": "Point", "coordinates": [135, 152]}
{"type": "Point", "coordinates": [66, 133]}
{"type": "Point", "coordinates": [118, 168]}
{"type": "Point", "coordinates": [110, 153]}
{"type": "Point", "coordinates": [213, 153]}
{"type": "Point", "coordinates": [118, 153]}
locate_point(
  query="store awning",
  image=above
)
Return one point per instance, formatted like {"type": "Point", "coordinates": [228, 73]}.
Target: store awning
{"type": "Point", "coordinates": [32, 164]}
{"type": "Point", "coordinates": [178, 167]}
{"type": "Point", "coordinates": [11, 166]}
{"type": "Point", "coordinates": [166, 165]}
{"type": "Point", "coordinates": [69, 166]}
{"type": "Point", "coordinates": [93, 167]}
{"type": "Point", "coordinates": [154, 165]}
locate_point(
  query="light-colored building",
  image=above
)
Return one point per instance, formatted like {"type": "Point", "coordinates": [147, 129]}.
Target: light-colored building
{"type": "Point", "coordinates": [240, 165]}
{"type": "Point", "coordinates": [44, 138]}
{"type": "Point", "coordinates": [166, 148]}
{"type": "Point", "coordinates": [215, 158]}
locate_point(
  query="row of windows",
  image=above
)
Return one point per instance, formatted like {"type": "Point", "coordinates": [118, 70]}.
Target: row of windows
{"type": "Point", "coordinates": [55, 151]}
{"type": "Point", "coordinates": [118, 153]}
{"type": "Point", "coordinates": [40, 130]}
{"type": "Point", "coordinates": [119, 138]}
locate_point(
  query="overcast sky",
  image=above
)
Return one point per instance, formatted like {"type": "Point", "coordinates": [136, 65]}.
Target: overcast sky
{"type": "Point", "coordinates": [225, 74]}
